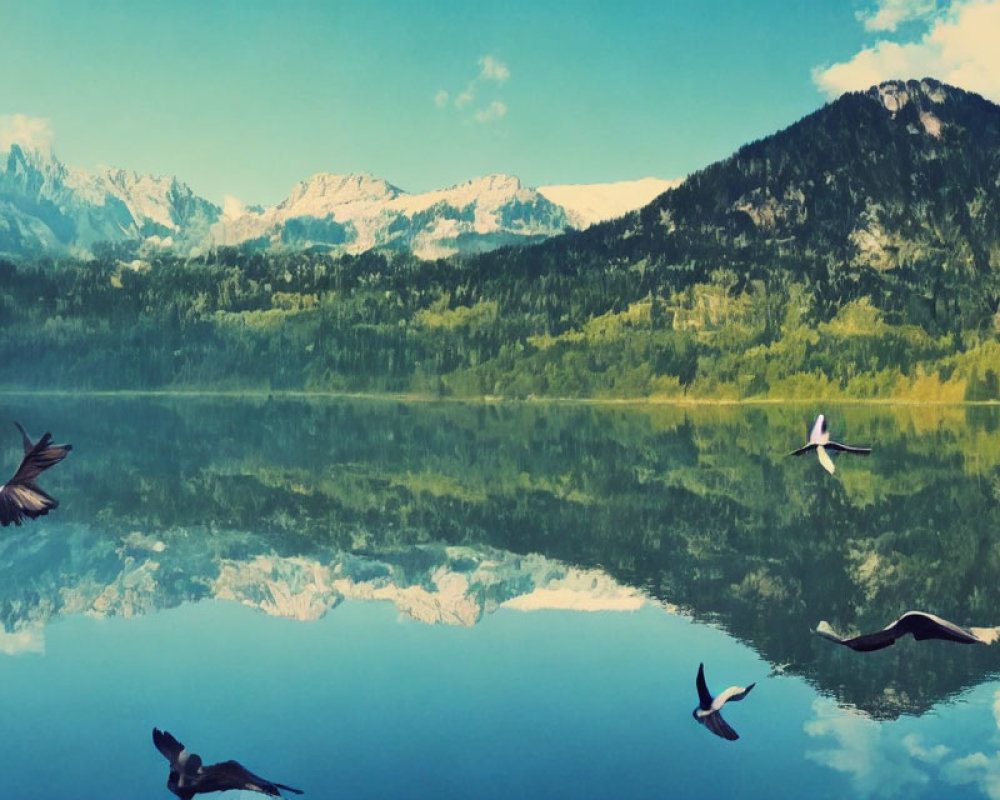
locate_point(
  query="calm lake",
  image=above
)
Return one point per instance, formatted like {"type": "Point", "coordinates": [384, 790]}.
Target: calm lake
{"type": "Point", "coordinates": [378, 599]}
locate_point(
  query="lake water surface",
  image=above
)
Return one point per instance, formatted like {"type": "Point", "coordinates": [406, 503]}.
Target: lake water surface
{"type": "Point", "coordinates": [377, 599]}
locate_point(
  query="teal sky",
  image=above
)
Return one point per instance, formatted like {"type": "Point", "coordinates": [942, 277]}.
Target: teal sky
{"type": "Point", "coordinates": [247, 97]}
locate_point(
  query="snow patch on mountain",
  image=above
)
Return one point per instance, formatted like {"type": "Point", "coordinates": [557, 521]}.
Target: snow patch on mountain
{"type": "Point", "coordinates": [588, 204]}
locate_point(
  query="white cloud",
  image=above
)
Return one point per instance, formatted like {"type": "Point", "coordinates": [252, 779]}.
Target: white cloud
{"type": "Point", "coordinates": [22, 640]}
{"type": "Point", "coordinates": [31, 133]}
{"type": "Point", "coordinates": [976, 768]}
{"type": "Point", "coordinates": [493, 70]}
{"type": "Point", "coordinates": [864, 750]}
{"type": "Point", "coordinates": [913, 745]}
{"type": "Point", "coordinates": [881, 765]}
{"type": "Point", "coordinates": [493, 111]}
{"type": "Point", "coordinates": [889, 14]}
{"type": "Point", "coordinates": [232, 207]}
{"type": "Point", "coordinates": [959, 48]}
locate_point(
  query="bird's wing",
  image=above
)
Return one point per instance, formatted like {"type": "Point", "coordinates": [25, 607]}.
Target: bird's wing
{"type": "Point", "coordinates": [25, 438]}
{"type": "Point", "coordinates": [931, 626]}
{"type": "Point", "coordinates": [802, 450]}
{"type": "Point", "coordinates": [20, 497]}
{"type": "Point", "coordinates": [846, 448]}
{"type": "Point", "coordinates": [717, 725]}
{"type": "Point", "coordinates": [826, 630]}
{"type": "Point", "coordinates": [704, 696]}
{"type": "Point", "coordinates": [864, 643]}
{"type": "Point", "coordinates": [824, 459]}
{"type": "Point", "coordinates": [868, 642]}
{"type": "Point", "coordinates": [818, 429]}
{"type": "Point", "coordinates": [38, 459]}
{"type": "Point", "coordinates": [167, 745]}
{"type": "Point", "coordinates": [732, 694]}
{"type": "Point", "coordinates": [233, 775]}
{"type": "Point", "coordinates": [18, 501]}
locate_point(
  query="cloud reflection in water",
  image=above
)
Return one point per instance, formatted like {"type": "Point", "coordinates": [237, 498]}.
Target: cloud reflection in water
{"type": "Point", "coordinates": [888, 759]}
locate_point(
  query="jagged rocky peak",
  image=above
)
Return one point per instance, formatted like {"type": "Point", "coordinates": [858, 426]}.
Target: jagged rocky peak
{"type": "Point", "coordinates": [129, 179]}
{"type": "Point", "coordinates": [499, 182]}
{"type": "Point", "coordinates": [31, 169]}
{"type": "Point", "coordinates": [924, 97]}
{"type": "Point", "coordinates": [492, 186]}
{"type": "Point", "coordinates": [327, 188]}
{"type": "Point", "coordinates": [895, 95]}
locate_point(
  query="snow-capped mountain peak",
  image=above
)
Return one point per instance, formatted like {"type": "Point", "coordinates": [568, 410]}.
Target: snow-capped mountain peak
{"type": "Point", "coordinates": [324, 192]}
{"type": "Point", "coordinates": [47, 207]}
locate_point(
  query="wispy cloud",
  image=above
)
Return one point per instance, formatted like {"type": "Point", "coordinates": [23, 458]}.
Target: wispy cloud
{"type": "Point", "coordinates": [31, 133]}
{"type": "Point", "coordinates": [890, 14]}
{"type": "Point", "coordinates": [493, 111]}
{"type": "Point", "coordinates": [490, 69]}
{"type": "Point", "coordinates": [958, 47]}
{"type": "Point", "coordinates": [492, 73]}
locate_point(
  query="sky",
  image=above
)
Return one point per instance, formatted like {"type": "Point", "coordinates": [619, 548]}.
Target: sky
{"type": "Point", "coordinates": [244, 98]}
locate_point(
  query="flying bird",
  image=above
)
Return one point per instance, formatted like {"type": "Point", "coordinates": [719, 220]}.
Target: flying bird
{"type": "Point", "coordinates": [709, 708]}
{"type": "Point", "coordinates": [189, 777]}
{"type": "Point", "coordinates": [21, 497]}
{"type": "Point", "coordinates": [918, 623]}
{"type": "Point", "coordinates": [819, 440]}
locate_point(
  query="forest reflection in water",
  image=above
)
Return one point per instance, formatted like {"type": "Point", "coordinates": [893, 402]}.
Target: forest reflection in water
{"type": "Point", "coordinates": [452, 511]}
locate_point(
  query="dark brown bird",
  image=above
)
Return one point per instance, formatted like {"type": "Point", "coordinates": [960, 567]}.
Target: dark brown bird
{"type": "Point", "coordinates": [919, 624]}
{"type": "Point", "coordinates": [189, 777]}
{"type": "Point", "coordinates": [21, 497]}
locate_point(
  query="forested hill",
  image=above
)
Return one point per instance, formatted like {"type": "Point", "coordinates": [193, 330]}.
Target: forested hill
{"type": "Point", "coordinates": [892, 193]}
{"type": "Point", "coordinates": [854, 254]}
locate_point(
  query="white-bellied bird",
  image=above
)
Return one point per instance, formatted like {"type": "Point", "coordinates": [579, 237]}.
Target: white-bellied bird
{"type": "Point", "coordinates": [709, 709]}
{"type": "Point", "coordinates": [819, 440]}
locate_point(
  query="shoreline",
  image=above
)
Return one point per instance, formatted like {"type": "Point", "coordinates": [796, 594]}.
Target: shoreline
{"type": "Point", "coordinates": [408, 397]}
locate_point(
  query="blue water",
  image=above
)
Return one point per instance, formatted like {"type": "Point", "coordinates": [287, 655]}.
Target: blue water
{"type": "Point", "coordinates": [167, 506]}
{"type": "Point", "coordinates": [364, 703]}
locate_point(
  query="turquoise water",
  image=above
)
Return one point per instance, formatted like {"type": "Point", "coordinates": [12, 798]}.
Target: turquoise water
{"type": "Point", "coordinates": [387, 600]}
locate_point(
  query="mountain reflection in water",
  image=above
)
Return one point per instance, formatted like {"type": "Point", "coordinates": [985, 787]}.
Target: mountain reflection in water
{"type": "Point", "coordinates": [451, 511]}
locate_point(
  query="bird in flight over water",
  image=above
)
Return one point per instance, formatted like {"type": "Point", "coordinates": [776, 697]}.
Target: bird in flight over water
{"type": "Point", "coordinates": [21, 497]}
{"type": "Point", "coordinates": [188, 776]}
{"type": "Point", "coordinates": [918, 623]}
{"type": "Point", "coordinates": [819, 440]}
{"type": "Point", "coordinates": [708, 712]}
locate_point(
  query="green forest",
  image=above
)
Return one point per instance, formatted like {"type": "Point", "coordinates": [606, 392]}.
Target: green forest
{"type": "Point", "coordinates": [853, 255]}
{"type": "Point", "coordinates": [506, 324]}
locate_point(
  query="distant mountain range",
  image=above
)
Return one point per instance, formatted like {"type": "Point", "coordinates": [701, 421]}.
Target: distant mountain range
{"type": "Point", "coordinates": [47, 208]}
